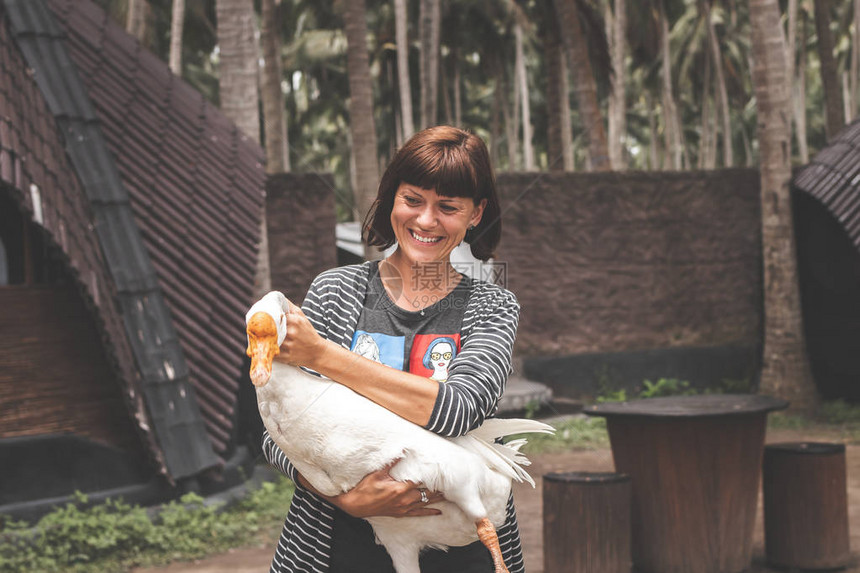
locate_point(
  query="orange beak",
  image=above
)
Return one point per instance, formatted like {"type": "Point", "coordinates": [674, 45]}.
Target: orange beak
{"type": "Point", "coordinates": [262, 347]}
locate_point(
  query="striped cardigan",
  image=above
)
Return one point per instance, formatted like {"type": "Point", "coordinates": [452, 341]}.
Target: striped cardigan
{"type": "Point", "coordinates": [476, 380]}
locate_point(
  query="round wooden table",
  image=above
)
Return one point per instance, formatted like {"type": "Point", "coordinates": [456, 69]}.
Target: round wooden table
{"type": "Point", "coordinates": [695, 463]}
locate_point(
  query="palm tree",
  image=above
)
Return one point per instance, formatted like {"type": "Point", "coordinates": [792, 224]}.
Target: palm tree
{"type": "Point", "coordinates": [829, 77]}
{"type": "Point", "coordinates": [177, 21]}
{"type": "Point", "coordinates": [274, 116]}
{"type": "Point", "coordinates": [855, 61]}
{"type": "Point", "coordinates": [238, 53]}
{"type": "Point", "coordinates": [138, 20]}
{"type": "Point", "coordinates": [785, 370]}
{"type": "Point", "coordinates": [722, 93]}
{"type": "Point", "coordinates": [361, 122]}
{"type": "Point", "coordinates": [523, 91]}
{"type": "Point", "coordinates": [401, 25]}
{"type": "Point", "coordinates": [671, 118]}
{"type": "Point", "coordinates": [616, 32]}
{"type": "Point", "coordinates": [430, 19]}
{"type": "Point", "coordinates": [239, 95]}
{"type": "Point", "coordinates": [584, 84]}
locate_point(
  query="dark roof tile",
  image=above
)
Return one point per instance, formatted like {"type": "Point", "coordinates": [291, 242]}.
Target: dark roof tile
{"type": "Point", "coordinates": [202, 188]}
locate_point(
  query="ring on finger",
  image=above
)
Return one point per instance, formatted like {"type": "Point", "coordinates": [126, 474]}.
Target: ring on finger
{"type": "Point", "coordinates": [423, 492]}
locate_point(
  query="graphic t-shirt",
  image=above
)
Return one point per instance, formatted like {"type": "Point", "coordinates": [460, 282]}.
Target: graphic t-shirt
{"type": "Point", "coordinates": [422, 342]}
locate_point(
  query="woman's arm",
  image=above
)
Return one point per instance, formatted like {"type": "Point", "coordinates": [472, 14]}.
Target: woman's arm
{"type": "Point", "coordinates": [408, 395]}
{"type": "Point", "coordinates": [476, 377]}
{"type": "Point", "coordinates": [378, 494]}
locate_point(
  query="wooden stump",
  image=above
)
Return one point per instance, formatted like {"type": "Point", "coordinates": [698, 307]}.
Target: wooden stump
{"type": "Point", "coordinates": [806, 505]}
{"type": "Point", "coordinates": [586, 522]}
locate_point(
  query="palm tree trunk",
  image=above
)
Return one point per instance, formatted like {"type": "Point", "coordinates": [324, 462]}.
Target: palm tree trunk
{"type": "Point", "coordinates": [238, 87]}
{"type": "Point", "coordinates": [137, 20]}
{"type": "Point", "coordinates": [495, 117]}
{"type": "Point", "coordinates": [445, 90]}
{"type": "Point", "coordinates": [705, 140]}
{"type": "Point", "coordinates": [510, 117]}
{"type": "Point", "coordinates": [722, 94]}
{"type": "Point", "coordinates": [616, 32]}
{"type": "Point", "coordinates": [785, 371]}
{"type": "Point", "coordinates": [799, 90]}
{"type": "Point", "coordinates": [401, 28]}
{"type": "Point", "coordinates": [274, 118]}
{"type": "Point", "coordinates": [829, 76]}
{"type": "Point", "coordinates": [653, 140]}
{"type": "Point", "coordinates": [239, 96]}
{"type": "Point", "coordinates": [523, 92]}
{"type": "Point", "coordinates": [674, 148]}
{"type": "Point", "coordinates": [458, 87]}
{"type": "Point", "coordinates": [584, 85]}
{"type": "Point", "coordinates": [855, 62]}
{"type": "Point", "coordinates": [566, 125]}
{"type": "Point", "coordinates": [361, 123]}
{"type": "Point", "coordinates": [177, 21]}
{"type": "Point", "coordinates": [430, 17]}
{"type": "Point", "coordinates": [554, 59]}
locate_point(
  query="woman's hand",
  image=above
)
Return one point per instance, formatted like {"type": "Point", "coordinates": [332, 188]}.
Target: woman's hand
{"type": "Point", "coordinates": [302, 343]}
{"type": "Point", "coordinates": [379, 494]}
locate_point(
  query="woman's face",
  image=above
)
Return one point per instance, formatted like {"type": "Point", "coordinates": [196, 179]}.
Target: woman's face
{"type": "Point", "coordinates": [428, 226]}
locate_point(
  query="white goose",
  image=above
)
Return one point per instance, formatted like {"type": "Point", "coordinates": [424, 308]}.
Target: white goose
{"type": "Point", "coordinates": [335, 437]}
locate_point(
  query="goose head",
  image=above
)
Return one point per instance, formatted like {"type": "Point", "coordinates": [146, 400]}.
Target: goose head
{"type": "Point", "coordinates": [266, 326]}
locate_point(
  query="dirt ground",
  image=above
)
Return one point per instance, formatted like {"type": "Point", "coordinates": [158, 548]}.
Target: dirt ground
{"type": "Point", "coordinates": [530, 512]}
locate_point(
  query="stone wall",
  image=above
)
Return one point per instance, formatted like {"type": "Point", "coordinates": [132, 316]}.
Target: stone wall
{"type": "Point", "coordinates": [619, 262]}
{"type": "Point", "coordinates": [300, 213]}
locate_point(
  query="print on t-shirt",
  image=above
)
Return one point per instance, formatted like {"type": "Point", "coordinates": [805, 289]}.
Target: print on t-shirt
{"type": "Point", "coordinates": [379, 347]}
{"type": "Point", "coordinates": [431, 355]}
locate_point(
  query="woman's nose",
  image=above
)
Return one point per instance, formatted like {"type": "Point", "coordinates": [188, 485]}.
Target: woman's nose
{"type": "Point", "coordinates": [427, 217]}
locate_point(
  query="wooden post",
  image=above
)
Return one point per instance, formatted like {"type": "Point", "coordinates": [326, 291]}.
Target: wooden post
{"type": "Point", "coordinates": [586, 522]}
{"type": "Point", "coordinates": [806, 505]}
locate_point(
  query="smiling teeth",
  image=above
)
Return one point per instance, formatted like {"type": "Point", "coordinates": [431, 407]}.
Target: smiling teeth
{"type": "Point", "coordinates": [423, 240]}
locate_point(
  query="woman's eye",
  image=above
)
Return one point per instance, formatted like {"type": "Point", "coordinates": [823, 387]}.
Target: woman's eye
{"type": "Point", "coordinates": [411, 200]}
{"type": "Point", "coordinates": [448, 208]}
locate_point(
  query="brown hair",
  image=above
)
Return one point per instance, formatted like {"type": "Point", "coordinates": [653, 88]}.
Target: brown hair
{"type": "Point", "coordinates": [454, 163]}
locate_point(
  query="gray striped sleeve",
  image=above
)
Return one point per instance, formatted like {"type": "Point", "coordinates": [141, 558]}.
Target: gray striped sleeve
{"type": "Point", "coordinates": [477, 376]}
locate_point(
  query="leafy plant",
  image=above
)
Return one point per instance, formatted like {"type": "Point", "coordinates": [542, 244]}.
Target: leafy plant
{"type": "Point", "coordinates": [114, 536]}
{"type": "Point", "coordinates": [666, 387]}
{"type": "Point", "coordinates": [613, 396]}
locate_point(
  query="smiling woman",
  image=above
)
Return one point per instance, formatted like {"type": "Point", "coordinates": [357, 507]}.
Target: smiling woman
{"type": "Point", "coordinates": [418, 338]}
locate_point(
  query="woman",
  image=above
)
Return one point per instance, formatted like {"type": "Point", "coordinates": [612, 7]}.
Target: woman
{"type": "Point", "coordinates": [438, 191]}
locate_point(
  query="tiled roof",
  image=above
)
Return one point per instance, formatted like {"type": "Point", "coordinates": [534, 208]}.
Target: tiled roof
{"type": "Point", "coordinates": [833, 177]}
{"type": "Point", "coordinates": [35, 168]}
{"type": "Point", "coordinates": [195, 189]}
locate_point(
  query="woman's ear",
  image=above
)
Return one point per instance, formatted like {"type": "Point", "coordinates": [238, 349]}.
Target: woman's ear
{"type": "Point", "coordinates": [478, 214]}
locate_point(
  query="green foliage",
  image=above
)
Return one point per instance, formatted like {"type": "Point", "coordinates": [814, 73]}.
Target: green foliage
{"type": "Point", "coordinates": [577, 433]}
{"type": "Point", "coordinates": [666, 387]}
{"type": "Point", "coordinates": [839, 412]}
{"type": "Point", "coordinates": [613, 396]}
{"type": "Point", "coordinates": [114, 536]}
{"type": "Point", "coordinates": [784, 421]}
{"type": "Point", "coordinates": [531, 408]}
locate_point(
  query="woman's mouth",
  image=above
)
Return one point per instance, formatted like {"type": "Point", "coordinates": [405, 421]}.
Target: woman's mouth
{"type": "Point", "coordinates": [423, 239]}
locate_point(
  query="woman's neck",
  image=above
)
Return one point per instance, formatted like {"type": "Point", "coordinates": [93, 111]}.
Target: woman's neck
{"type": "Point", "coordinates": [414, 286]}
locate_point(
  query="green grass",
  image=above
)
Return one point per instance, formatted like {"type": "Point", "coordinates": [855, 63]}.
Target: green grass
{"type": "Point", "coordinates": [577, 433]}
{"type": "Point", "coordinates": [837, 420]}
{"type": "Point", "coordinates": [115, 536]}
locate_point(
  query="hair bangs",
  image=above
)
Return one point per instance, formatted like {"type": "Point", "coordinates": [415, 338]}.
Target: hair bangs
{"type": "Point", "coordinates": [447, 169]}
